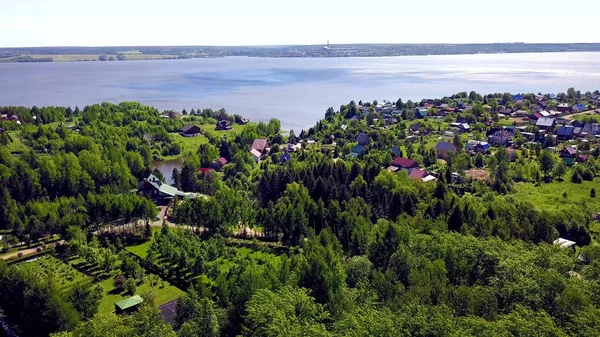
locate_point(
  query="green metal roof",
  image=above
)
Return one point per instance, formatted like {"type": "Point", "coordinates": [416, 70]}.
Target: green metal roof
{"type": "Point", "coordinates": [129, 302]}
{"type": "Point", "coordinates": [168, 189]}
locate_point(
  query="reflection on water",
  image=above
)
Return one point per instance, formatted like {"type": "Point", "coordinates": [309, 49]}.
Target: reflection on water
{"type": "Point", "coordinates": [166, 168]}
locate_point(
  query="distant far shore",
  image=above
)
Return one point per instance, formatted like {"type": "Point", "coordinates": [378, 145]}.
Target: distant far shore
{"type": "Point", "coordinates": [71, 54]}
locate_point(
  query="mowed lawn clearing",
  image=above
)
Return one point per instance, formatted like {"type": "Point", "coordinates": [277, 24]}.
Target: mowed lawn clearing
{"type": "Point", "coordinates": [67, 276]}
{"type": "Point", "coordinates": [164, 292]}
{"type": "Point", "coordinates": [550, 196]}
{"type": "Point", "coordinates": [188, 144]}
{"type": "Point", "coordinates": [64, 274]}
{"type": "Point", "coordinates": [16, 145]}
{"type": "Point", "coordinates": [140, 250]}
{"type": "Point", "coordinates": [210, 129]}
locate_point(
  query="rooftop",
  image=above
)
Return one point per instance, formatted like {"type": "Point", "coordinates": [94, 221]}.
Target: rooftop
{"type": "Point", "coordinates": [129, 302]}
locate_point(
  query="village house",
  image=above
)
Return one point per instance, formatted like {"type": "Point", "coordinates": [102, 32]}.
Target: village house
{"type": "Point", "coordinates": [464, 127]}
{"type": "Point", "coordinates": [357, 150]}
{"type": "Point", "coordinates": [443, 148]}
{"type": "Point", "coordinates": [128, 305]}
{"type": "Point", "coordinates": [256, 154]}
{"type": "Point", "coordinates": [415, 128]}
{"type": "Point", "coordinates": [547, 124]}
{"type": "Point", "coordinates": [363, 139]}
{"type": "Point", "coordinates": [218, 164]}
{"type": "Point", "coordinates": [285, 158]}
{"type": "Point", "coordinates": [260, 145]}
{"type": "Point", "coordinates": [223, 125]}
{"type": "Point", "coordinates": [404, 163]}
{"type": "Point", "coordinates": [590, 129]}
{"type": "Point", "coordinates": [10, 118]}
{"type": "Point", "coordinates": [474, 146]}
{"type": "Point", "coordinates": [420, 113]}
{"type": "Point", "coordinates": [578, 108]}
{"type": "Point", "coordinates": [153, 188]}
{"type": "Point", "coordinates": [563, 107]}
{"type": "Point", "coordinates": [417, 174]}
{"type": "Point", "coordinates": [190, 130]}
{"type": "Point", "coordinates": [565, 132]}
{"type": "Point", "coordinates": [568, 151]}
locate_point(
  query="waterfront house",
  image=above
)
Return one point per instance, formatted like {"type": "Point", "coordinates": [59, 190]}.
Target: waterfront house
{"type": "Point", "coordinates": [223, 125]}
{"type": "Point", "coordinates": [443, 148]}
{"type": "Point", "coordinates": [260, 145]}
{"type": "Point", "coordinates": [153, 188]}
{"type": "Point", "coordinates": [190, 130]}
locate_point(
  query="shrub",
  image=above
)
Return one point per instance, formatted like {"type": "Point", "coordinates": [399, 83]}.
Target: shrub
{"type": "Point", "coordinates": [120, 281]}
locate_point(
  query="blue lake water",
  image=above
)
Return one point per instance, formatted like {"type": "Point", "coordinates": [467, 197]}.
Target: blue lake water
{"type": "Point", "coordinates": [295, 90]}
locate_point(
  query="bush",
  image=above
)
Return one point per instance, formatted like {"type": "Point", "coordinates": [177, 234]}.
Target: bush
{"type": "Point", "coordinates": [576, 178]}
{"type": "Point", "coordinates": [593, 193]}
{"type": "Point", "coordinates": [130, 286]}
{"type": "Point", "coordinates": [120, 281]}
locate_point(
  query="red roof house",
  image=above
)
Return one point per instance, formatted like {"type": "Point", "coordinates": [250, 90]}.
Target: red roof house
{"type": "Point", "coordinates": [417, 174]}
{"type": "Point", "coordinates": [404, 163]}
{"type": "Point", "coordinates": [259, 144]}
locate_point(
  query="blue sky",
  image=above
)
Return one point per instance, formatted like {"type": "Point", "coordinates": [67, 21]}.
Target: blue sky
{"type": "Point", "coordinates": [268, 22]}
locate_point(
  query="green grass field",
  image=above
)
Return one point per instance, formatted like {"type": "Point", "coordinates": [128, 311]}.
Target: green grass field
{"type": "Point", "coordinates": [550, 196]}
{"type": "Point", "coordinates": [63, 273]}
{"type": "Point", "coordinates": [191, 144]}
{"type": "Point", "coordinates": [210, 129]}
{"type": "Point", "coordinates": [16, 145]}
{"type": "Point", "coordinates": [188, 144]}
{"type": "Point", "coordinates": [587, 116]}
{"type": "Point", "coordinates": [67, 275]}
{"type": "Point", "coordinates": [140, 250]}
{"type": "Point", "coordinates": [164, 292]}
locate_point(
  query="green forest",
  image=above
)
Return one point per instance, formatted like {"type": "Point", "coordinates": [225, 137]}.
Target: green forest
{"type": "Point", "coordinates": [318, 233]}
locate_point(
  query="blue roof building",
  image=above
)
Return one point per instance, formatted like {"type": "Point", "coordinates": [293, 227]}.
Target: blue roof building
{"type": "Point", "coordinates": [363, 139]}
{"type": "Point", "coordinates": [565, 132]}
{"type": "Point", "coordinates": [420, 112]}
{"type": "Point", "coordinates": [396, 151]}
{"type": "Point", "coordinates": [285, 157]}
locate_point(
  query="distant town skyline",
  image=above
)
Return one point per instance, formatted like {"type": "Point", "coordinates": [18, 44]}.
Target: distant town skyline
{"type": "Point", "coordinates": [33, 23]}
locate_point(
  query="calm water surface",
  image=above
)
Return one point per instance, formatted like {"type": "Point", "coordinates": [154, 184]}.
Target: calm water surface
{"type": "Point", "coordinates": [297, 91]}
{"type": "Point", "coordinates": [166, 168]}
